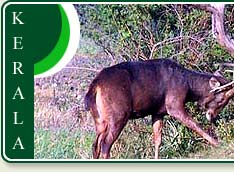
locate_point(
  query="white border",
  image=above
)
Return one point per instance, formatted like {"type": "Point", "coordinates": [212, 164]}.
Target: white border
{"type": "Point", "coordinates": [93, 160]}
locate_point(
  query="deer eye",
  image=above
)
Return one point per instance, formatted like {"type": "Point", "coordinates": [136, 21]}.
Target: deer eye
{"type": "Point", "coordinates": [219, 98]}
{"type": "Point", "coordinates": [222, 99]}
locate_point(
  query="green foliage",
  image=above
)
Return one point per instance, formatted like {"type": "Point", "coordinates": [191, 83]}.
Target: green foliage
{"type": "Point", "coordinates": [140, 32]}
{"type": "Point", "coordinates": [124, 30]}
{"type": "Point", "coordinates": [87, 47]}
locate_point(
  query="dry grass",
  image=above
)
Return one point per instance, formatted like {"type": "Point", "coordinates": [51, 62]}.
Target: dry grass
{"type": "Point", "coordinates": [60, 119]}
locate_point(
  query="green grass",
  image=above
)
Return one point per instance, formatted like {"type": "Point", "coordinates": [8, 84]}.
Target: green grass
{"type": "Point", "coordinates": [62, 144]}
{"type": "Point", "coordinates": [224, 151]}
{"type": "Point", "coordinates": [135, 142]}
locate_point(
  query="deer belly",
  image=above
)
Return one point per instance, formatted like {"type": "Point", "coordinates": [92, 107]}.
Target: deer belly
{"type": "Point", "coordinates": [146, 106]}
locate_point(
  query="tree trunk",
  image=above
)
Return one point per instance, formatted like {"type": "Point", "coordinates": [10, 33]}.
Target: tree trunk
{"type": "Point", "coordinates": [218, 30]}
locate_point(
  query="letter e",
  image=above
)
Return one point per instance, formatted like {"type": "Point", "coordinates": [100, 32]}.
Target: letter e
{"type": "Point", "coordinates": [18, 43]}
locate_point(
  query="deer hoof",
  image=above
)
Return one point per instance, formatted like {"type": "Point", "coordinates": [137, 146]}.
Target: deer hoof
{"type": "Point", "coordinates": [215, 143]}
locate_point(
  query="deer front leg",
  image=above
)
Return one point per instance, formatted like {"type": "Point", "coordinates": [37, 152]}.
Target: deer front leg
{"type": "Point", "coordinates": [187, 120]}
{"type": "Point", "coordinates": [177, 110]}
{"type": "Point", "coordinates": [157, 121]}
{"type": "Point", "coordinates": [157, 129]}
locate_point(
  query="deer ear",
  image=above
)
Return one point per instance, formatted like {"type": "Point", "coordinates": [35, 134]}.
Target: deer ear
{"type": "Point", "coordinates": [214, 83]}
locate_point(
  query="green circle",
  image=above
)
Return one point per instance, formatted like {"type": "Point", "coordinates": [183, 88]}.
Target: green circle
{"type": "Point", "coordinates": [57, 53]}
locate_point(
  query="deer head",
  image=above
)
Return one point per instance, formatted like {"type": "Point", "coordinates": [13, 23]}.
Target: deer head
{"type": "Point", "coordinates": [220, 94]}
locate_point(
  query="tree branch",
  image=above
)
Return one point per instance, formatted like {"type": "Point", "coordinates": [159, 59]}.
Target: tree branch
{"type": "Point", "coordinates": [218, 30]}
{"type": "Point", "coordinates": [83, 68]}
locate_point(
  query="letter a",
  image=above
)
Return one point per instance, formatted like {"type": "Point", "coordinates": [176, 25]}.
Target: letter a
{"type": "Point", "coordinates": [15, 18]}
{"type": "Point", "coordinates": [18, 93]}
{"type": "Point", "coordinates": [18, 143]}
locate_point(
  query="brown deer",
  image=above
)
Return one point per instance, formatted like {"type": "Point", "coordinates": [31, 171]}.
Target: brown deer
{"type": "Point", "coordinates": [131, 90]}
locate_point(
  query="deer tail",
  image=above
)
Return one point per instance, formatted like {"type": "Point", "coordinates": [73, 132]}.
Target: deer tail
{"type": "Point", "coordinates": [89, 99]}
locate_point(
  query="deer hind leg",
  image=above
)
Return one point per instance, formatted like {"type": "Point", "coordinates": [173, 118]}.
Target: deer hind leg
{"type": "Point", "coordinates": [101, 132]}
{"type": "Point", "coordinates": [157, 137]}
{"type": "Point", "coordinates": [106, 135]}
{"type": "Point", "coordinates": [102, 141]}
{"type": "Point", "coordinates": [111, 119]}
{"type": "Point", "coordinates": [112, 135]}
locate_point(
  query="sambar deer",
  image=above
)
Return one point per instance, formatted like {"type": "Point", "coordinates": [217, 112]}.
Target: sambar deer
{"type": "Point", "coordinates": [131, 90]}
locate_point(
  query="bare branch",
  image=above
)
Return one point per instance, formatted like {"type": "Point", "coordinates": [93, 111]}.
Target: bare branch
{"type": "Point", "coordinates": [228, 64]}
{"type": "Point", "coordinates": [219, 71]}
{"type": "Point", "coordinates": [223, 87]}
{"type": "Point", "coordinates": [206, 7]}
{"type": "Point", "coordinates": [171, 40]}
{"type": "Point", "coordinates": [218, 30]}
{"type": "Point", "coordinates": [83, 68]}
{"type": "Point", "coordinates": [223, 65]}
{"type": "Point", "coordinates": [110, 54]}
